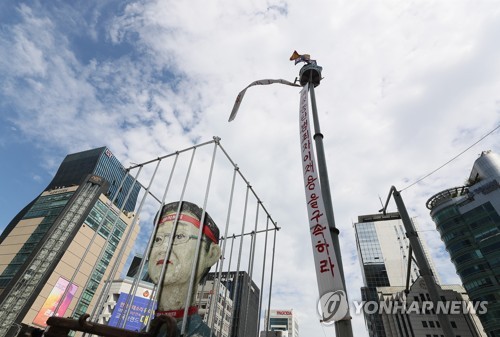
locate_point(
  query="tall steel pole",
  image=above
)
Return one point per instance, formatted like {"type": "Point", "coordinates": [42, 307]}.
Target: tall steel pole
{"type": "Point", "coordinates": [311, 73]}
{"type": "Point", "coordinates": [422, 262]}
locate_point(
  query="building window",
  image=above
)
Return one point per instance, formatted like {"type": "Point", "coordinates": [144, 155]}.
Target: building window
{"type": "Point", "coordinates": [453, 324]}
{"type": "Point", "coordinates": [484, 282]}
{"type": "Point", "coordinates": [424, 324]}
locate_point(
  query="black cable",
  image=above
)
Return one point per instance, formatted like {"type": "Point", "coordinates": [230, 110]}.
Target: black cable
{"type": "Point", "coordinates": [452, 159]}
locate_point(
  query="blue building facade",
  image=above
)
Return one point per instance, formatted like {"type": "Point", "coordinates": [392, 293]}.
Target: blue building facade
{"type": "Point", "coordinates": [468, 220]}
{"type": "Point", "coordinates": [103, 163]}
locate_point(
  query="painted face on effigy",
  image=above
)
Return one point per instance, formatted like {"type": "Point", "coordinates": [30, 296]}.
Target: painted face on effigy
{"type": "Point", "coordinates": [180, 262]}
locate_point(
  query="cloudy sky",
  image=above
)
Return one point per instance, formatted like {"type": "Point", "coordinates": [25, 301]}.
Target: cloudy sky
{"type": "Point", "coordinates": [407, 86]}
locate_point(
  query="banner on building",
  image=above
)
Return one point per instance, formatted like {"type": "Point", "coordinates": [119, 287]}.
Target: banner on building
{"type": "Point", "coordinates": [327, 271]}
{"type": "Point", "coordinates": [55, 296]}
{"type": "Point", "coordinates": [140, 311]}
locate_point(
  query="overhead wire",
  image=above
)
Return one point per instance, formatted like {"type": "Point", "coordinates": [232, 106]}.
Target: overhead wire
{"type": "Point", "coordinates": [452, 159]}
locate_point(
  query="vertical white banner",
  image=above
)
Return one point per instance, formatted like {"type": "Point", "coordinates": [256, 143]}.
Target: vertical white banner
{"type": "Point", "coordinates": [333, 301]}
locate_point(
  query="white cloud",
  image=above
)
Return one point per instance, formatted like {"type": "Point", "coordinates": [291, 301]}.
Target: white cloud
{"type": "Point", "coordinates": [407, 86]}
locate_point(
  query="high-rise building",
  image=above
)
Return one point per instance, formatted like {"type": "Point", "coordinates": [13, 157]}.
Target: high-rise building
{"type": "Point", "coordinates": [241, 291]}
{"type": "Point", "coordinates": [103, 163]}
{"type": "Point", "coordinates": [468, 220]}
{"type": "Point", "coordinates": [217, 315]}
{"type": "Point", "coordinates": [282, 320]}
{"type": "Point", "coordinates": [245, 296]}
{"type": "Point", "coordinates": [419, 323]}
{"type": "Point", "coordinates": [50, 256]}
{"type": "Point", "coordinates": [383, 250]}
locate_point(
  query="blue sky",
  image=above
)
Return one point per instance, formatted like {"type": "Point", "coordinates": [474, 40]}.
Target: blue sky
{"type": "Point", "coordinates": [407, 85]}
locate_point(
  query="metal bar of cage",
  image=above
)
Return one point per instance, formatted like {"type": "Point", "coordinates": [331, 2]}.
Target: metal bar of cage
{"type": "Point", "coordinates": [198, 244]}
{"type": "Point", "coordinates": [228, 217]}
{"type": "Point", "coordinates": [239, 256]}
{"type": "Point", "coordinates": [263, 274]}
{"type": "Point", "coordinates": [92, 240]}
{"type": "Point", "coordinates": [219, 268]}
{"type": "Point", "coordinates": [132, 291]}
{"type": "Point", "coordinates": [170, 242]}
{"type": "Point", "coordinates": [107, 284]}
{"type": "Point", "coordinates": [129, 298]}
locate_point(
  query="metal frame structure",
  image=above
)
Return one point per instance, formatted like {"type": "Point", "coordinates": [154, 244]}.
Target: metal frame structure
{"type": "Point", "coordinates": [179, 175]}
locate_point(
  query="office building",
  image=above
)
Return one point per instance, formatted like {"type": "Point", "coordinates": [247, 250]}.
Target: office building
{"type": "Point", "coordinates": [133, 269]}
{"type": "Point", "coordinates": [423, 324]}
{"type": "Point", "coordinates": [50, 260]}
{"type": "Point", "coordinates": [245, 296]}
{"type": "Point", "coordinates": [283, 320]}
{"type": "Point", "coordinates": [100, 162]}
{"type": "Point", "coordinates": [383, 250]}
{"type": "Point", "coordinates": [238, 300]}
{"type": "Point", "coordinates": [217, 315]}
{"type": "Point", "coordinates": [468, 220]}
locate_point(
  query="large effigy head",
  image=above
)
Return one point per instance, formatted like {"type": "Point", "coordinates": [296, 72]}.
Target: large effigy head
{"type": "Point", "coordinates": [182, 256]}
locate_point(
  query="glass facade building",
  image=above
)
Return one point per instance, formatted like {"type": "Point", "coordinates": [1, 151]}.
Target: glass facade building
{"type": "Point", "coordinates": [47, 207]}
{"type": "Point", "coordinates": [374, 271]}
{"type": "Point", "coordinates": [111, 230]}
{"type": "Point", "coordinates": [383, 250]}
{"type": "Point", "coordinates": [245, 296]}
{"type": "Point", "coordinates": [49, 242]}
{"type": "Point", "coordinates": [102, 163]}
{"type": "Point", "coordinates": [468, 220]}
